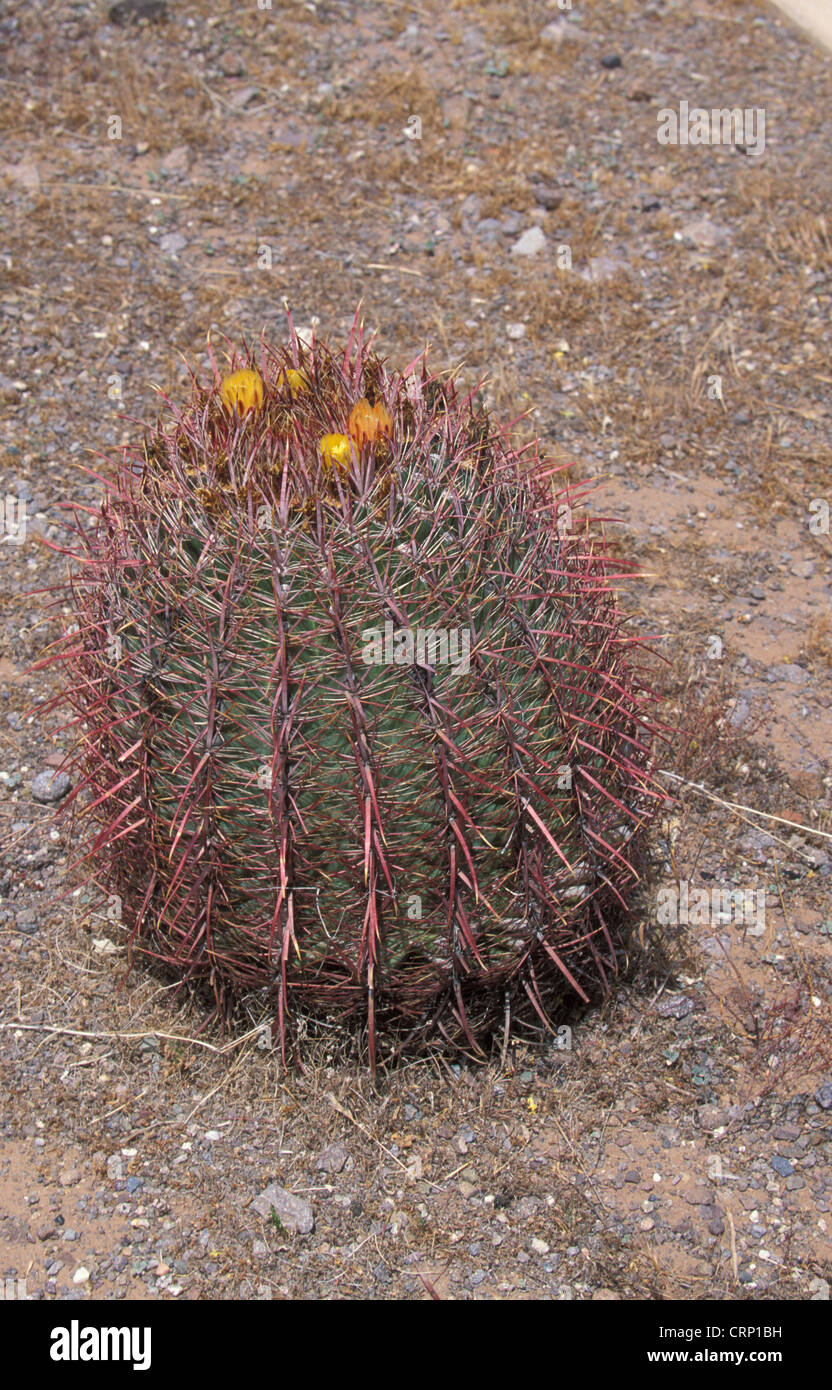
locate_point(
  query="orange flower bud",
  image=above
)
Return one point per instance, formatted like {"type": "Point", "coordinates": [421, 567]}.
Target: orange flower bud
{"type": "Point", "coordinates": [367, 422]}
{"type": "Point", "coordinates": [242, 391]}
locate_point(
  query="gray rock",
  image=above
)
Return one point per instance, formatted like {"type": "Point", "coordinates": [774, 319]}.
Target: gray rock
{"type": "Point", "coordinates": [675, 1006]}
{"type": "Point", "coordinates": [27, 921]}
{"type": "Point", "coordinates": [788, 672]}
{"type": "Point", "coordinates": [294, 1214]}
{"type": "Point", "coordinates": [51, 786]}
{"type": "Point", "coordinates": [530, 243]}
{"type": "Point", "coordinates": [172, 243]}
{"type": "Point", "coordinates": [561, 31]}
{"type": "Point", "coordinates": [332, 1159]}
{"type": "Point", "coordinates": [782, 1166]}
{"type": "Point", "coordinates": [488, 229]}
{"type": "Point", "coordinates": [710, 1117]}
{"type": "Point", "coordinates": [823, 1095]}
{"type": "Point", "coordinates": [132, 11]}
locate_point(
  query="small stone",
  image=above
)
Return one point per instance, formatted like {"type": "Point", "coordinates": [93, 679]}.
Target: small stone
{"type": "Point", "coordinates": [605, 1296]}
{"type": "Point", "coordinates": [231, 65]}
{"type": "Point", "coordinates": [212, 1136]}
{"type": "Point", "coordinates": [561, 31]}
{"type": "Point", "coordinates": [515, 331]}
{"type": "Point", "coordinates": [81, 1275]}
{"type": "Point", "coordinates": [818, 1290]}
{"type": "Point", "coordinates": [177, 161]}
{"type": "Point", "coordinates": [803, 569]}
{"type": "Point", "coordinates": [530, 243]}
{"type": "Point", "coordinates": [332, 1159]}
{"type": "Point", "coordinates": [611, 60]}
{"type": "Point", "coordinates": [243, 96]}
{"type": "Point", "coordinates": [782, 1166]}
{"type": "Point", "coordinates": [539, 1246]}
{"type": "Point", "coordinates": [710, 1117]}
{"type": "Point", "coordinates": [134, 1185]}
{"type": "Point", "coordinates": [823, 1095]}
{"type": "Point", "coordinates": [172, 243]}
{"type": "Point", "coordinates": [547, 197]}
{"type": "Point", "coordinates": [51, 786]}
{"type": "Point", "coordinates": [293, 1212]}
{"type": "Point", "coordinates": [675, 1006]}
{"type": "Point", "coordinates": [115, 1167]}
{"type": "Point", "coordinates": [132, 11]}
{"type": "Point", "coordinates": [45, 1231]}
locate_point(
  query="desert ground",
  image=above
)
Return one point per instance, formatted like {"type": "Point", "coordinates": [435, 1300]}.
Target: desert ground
{"type": "Point", "coordinates": [486, 177]}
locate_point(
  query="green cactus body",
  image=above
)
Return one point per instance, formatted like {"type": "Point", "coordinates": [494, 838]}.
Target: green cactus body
{"type": "Point", "coordinates": [368, 740]}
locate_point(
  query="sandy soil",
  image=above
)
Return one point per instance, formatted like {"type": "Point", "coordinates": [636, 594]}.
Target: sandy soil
{"type": "Point", "coordinates": [681, 1148]}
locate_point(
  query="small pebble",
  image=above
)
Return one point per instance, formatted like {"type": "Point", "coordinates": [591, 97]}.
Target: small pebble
{"type": "Point", "coordinates": [782, 1166]}
{"type": "Point", "coordinates": [51, 786]}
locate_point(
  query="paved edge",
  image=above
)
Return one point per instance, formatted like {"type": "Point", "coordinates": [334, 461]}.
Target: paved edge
{"type": "Point", "coordinates": [813, 16]}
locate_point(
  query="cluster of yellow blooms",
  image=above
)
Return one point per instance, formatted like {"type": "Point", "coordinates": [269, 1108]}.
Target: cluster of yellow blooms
{"type": "Point", "coordinates": [243, 391]}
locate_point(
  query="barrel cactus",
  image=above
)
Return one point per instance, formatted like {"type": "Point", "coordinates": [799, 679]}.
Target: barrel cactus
{"type": "Point", "coordinates": [361, 728]}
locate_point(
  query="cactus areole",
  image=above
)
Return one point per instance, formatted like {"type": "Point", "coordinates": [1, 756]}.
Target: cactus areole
{"type": "Point", "coordinates": [362, 732]}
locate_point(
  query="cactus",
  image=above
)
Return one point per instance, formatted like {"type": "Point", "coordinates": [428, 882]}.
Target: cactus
{"type": "Point", "coordinates": [360, 727]}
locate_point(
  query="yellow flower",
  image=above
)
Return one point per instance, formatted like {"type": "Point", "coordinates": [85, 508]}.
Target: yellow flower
{"type": "Point", "coordinates": [242, 391]}
{"type": "Point", "coordinates": [335, 451]}
{"type": "Point", "coordinates": [297, 381]}
{"type": "Point", "coordinates": [532, 1104]}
